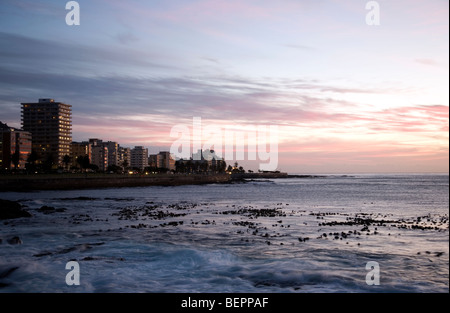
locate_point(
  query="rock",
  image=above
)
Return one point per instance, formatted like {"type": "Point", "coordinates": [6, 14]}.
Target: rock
{"type": "Point", "coordinates": [11, 209]}
{"type": "Point", "coordinates": [47, 209]}
{"type": "Point", "coordinates": [15, 241]}
{"type": "Point", "coordinates": [8, 272]}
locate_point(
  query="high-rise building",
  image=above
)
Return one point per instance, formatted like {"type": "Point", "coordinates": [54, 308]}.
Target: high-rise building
{"type": "Point", "coordinates": [139, 157]}
{"type": "Point", "coordinates": [15, 147]}
{"type": "Point", "coordinates": [50, 124]}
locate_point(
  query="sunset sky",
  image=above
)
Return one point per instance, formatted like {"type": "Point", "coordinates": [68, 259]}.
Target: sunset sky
{"type": "Point", "coordinates": [346, 97]}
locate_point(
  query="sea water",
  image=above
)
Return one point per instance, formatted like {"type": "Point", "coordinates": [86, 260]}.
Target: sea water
{"type": "Point", "coordinates": [312, 234]}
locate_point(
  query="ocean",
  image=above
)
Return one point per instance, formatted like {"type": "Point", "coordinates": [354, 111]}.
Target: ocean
{"type": "Point", "coordinates": [324, 234]}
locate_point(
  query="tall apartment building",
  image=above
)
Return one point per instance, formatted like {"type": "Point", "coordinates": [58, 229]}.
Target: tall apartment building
{"type": "Point", "coordinates": [50, 124]}
{"type": "Point", "coordinates": [139, 157]}
{"type": "Point", "coordinates": [15, 147]}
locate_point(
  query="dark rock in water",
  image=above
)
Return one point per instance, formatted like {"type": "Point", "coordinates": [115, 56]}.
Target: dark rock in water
{"type": "Point", "coordinates": [43, 254]}
{"type": "Point", "coordinates": [49, 209]}
{"type": "Point", "coordinates": [8, 272]}
{"type": "Point", "coordinates": [15, 241]}
{"type": "Point", "coordinates": [11, 209]}
{"type": "Point", "coordinates": [77, 198]}
{"type": "Point", "coordinates": [5, 274]}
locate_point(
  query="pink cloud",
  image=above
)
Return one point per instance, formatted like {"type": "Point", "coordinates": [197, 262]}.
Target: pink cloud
{"type": "Point", "coordinates": [361, 156]}
{"type": "Point", "coordinates": [429, 62]}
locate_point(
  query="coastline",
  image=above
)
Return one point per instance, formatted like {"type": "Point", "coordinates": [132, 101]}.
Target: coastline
{"type": "Point", "coordinates": [53, 182]}
{"type": "Point", "coordinates": [23, 183]}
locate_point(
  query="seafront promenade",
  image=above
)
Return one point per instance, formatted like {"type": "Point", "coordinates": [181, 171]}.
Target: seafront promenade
{"type": "Point", "coordinates": [92, 181]}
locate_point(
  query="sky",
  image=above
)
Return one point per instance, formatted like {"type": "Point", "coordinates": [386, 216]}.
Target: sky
{"type": "Point", "coordinates": [345, 96]}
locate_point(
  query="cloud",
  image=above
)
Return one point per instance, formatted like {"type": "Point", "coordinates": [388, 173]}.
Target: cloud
{"type": "Point", "coordinates": [36, 7]}
{"type": "Point", "coordinates": [126, 37]}
{"type": "Point", "coordinates": [44, 56]}
{"type": "Point", "coordinates": [429, 62]}
{"type": "Point", "coordinates": [141, 95]}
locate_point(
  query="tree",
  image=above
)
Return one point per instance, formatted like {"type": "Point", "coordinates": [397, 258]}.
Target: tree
{"type": "Point", "coordinates": [125, 164]}
{"type": "Point", "coordinates": [114, 168]}
{"type": "Point", "coordinates": [66, 160]}
{"type": "Point", "coordinates": [180, 167]}
{"type": "Point", "coordinates": [31, 161]}
{"type": "Point", "coordinates": [83, 161]}
{"type": "Point", "coordinates": [48, 163]}
{"type": "Point", "coordinates": [93, 167]}
{"type": "Point", "coordinates": [222, 166]}
{"type": "Point", "coordinates": [15, 158]}
{"type": "Point", "coordinates": [189, 166]}
{"type": "Point", "coordinates": [204, 166]}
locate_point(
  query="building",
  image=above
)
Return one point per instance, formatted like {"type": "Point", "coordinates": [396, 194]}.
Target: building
{"type": "Point", "coordinates": [166, 160]}
{"type": "Point", "coordinates": [208, 161]}
{"type": "Point", "coordinates": [81, 149]}
{"type": "Point", "coordinates": [95, 142]}
{"type": "Point", "coordinates": [100, 157]}
{"type": "Point", "coordinates": [50, 124]}
{"type": "Point", "coordinates": [153, 160]}
{"type": "Point", "coordinates": [163, 159]}
{"type": "Point", "coordinates": [113, 152]}
{"type": "Point", "coordinates": [15, 147]}
{"type": "Point", "coordinates": [139, 157]}
{"type": "Point", "coordinates": [124, 157]}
